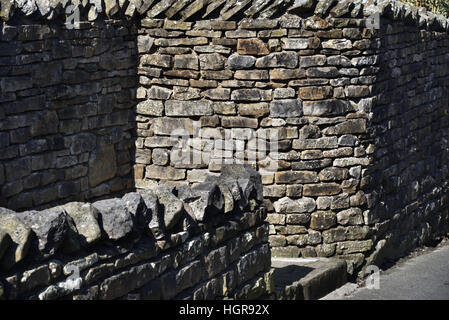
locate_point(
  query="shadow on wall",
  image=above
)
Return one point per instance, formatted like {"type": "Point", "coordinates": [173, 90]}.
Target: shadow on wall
{"type": "Point", "coordinates": [67, 121]}
{"type": "Point", "coordinates": [285, 276]}
{"type": "Point", "coordinates": [408, 193]}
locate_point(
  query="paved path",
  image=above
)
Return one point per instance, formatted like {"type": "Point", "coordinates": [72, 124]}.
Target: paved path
{"type": "Point", "coordinates": [425, 277]}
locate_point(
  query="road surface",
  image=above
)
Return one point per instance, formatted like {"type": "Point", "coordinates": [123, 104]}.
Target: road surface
{"type": "Point", "coordinates": [424, 277]}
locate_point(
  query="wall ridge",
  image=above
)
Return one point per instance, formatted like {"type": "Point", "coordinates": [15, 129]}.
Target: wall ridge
{"type": "Point", "coordinates": [90, 10]}
{"type": "Point", "coordinates": [119, 246]}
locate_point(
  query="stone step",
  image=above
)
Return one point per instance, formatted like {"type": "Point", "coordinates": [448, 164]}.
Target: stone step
{"type": "Point", "coordinates": [307, 278]}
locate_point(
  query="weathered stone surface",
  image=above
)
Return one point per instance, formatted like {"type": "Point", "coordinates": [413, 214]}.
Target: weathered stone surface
{"type": "Point", "coordinates": [164, 42]}
{"type": "Point", "coordinates": [251, 75]}
{"type": "Point", "coordinates": [278, 60]}
{"type": "Point", "coordinates": [212, 61]}
{"type": "Point", "coordinates": [116, 221]}
{"type": "Point", "coordinates": [347, 127]}
{"type": "Point", "coordinates": [286, 108]}
{"type": "Point", "coordinates": [188, 108]}
{"type": "Point", "coordinates": [296, 177]}
{"type": "Point", "coordinates": [315, 93]}
{"type": "Point", "coordinates": [238, 61]}
{"type": "Point", "coordinates": [286, 74]}
{"type": "Point", "coordinates": [175, 126]}
{"type": "Point", "coordinates": [85, 217]}
{"type": "Point", "coordinates": [294, 44]}
{"type": "Point", "coordinates": [326, 107]}
{"type": "Point", "coordinates": [186, 93]}
{"type": "Point", "coordinates": [322, 72]}
{"type": "Point", "coordinates": [283, 93]}
{"type": "Point", "coordinates": [254, 109]}
{"type": "Point", "coordinates": [322, 220]}
{"type": "Point", "coordinates": [251, 95]}
{"type": "Point", "coordinates": [158, 60]}
{"type": "Point", "coordinates": [203, 199]}
{"type": "Point", "coordinates": [160, 156]}
{"type": "Point", "coordinates": [150, 108]}
{"type": "Point", "coordinates": [354, 246]}
{"type": "Point", "coordinates": [20, 235]}
{"type": "Point", "coordinates": [50, 226]}
{"type": "Point", "coordinates": [218, 94]}
{"type": "Point", "coordinates": [321, 189]}
{"type": "Point", "coordinates": [252, 46]}
{"type": "Point", "coordinates": [352, 216]}
{"type": "Point", "coordinates": [337, 44]}
{"type": "Point", "coordinates": [160, 172]}
{"type": "Point", "coordinates": [333, 174]}
{"type": "Point", "coordinates": [172, 207]}
{"type": "Point", "coordinates": [287, 205]}
{"type": "Point", "coordinates": [101, 168]}
{"type": "Point", "coordinates": [239, 122]}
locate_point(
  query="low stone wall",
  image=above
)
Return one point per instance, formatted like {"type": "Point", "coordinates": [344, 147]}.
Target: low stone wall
{"type": "Point", "coordinates": [340, 105]}
{"type": "Point", "coordinates": [353, 164]}
{"type": "Point", "coordinates": [207, 242]}
{"type": "Point", "coordinates": [66, 117]}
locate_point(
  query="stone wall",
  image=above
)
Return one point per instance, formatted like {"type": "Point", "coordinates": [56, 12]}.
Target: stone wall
{"type": "Point", "coordinates": [340, 105]}
{"type": "Point", "coordinates": [355, 166]}
{"type": "Point", "coordinates": [308, 81]}
{"type": "Point", "coordinates": [66, 117]}
{"type": "Point", "coordinates": [407, 183]}
{"type": "Point", "coordinates": [207, 242]}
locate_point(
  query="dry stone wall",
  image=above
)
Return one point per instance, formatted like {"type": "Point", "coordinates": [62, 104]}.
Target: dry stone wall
{"type": "Point", "coordinates": [229, 85]}
{"type": "Point", "coordinates": [407, 190]}
{"type": "Point", "coordinates": [338, 96]}
{"type": "Point", "coordinates": [66, 112]}
{"type": "Point", "coordinates": [340, 105]}
{"type": "Point", "coordinates": [207, 242]}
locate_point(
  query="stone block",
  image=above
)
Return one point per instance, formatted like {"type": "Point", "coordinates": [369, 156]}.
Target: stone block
{"type": "Point", "coordinates": [286, 59]}
{"type": "Point", "coordinates": [322, 220]}
{"type": "Point", "coordinates": [251, 46]}
{"type": "Point", "coordinates": [188, 108]}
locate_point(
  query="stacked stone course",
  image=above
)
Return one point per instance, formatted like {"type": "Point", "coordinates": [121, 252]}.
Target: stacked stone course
{"type": "Point", "coordinates": [360, 113]}
{"type": "Point", "coordinates": [243, 79]}
{"type": "Point", "coordinates": [66, 117]}
{"type": "Point", "coordinates": [207, 242]}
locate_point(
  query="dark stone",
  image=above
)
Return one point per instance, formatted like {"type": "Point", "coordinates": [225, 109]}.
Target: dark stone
{"type": "Point", "coordinates": [116, 221]}
{"type": "Point", "coordinates": [50, 226]}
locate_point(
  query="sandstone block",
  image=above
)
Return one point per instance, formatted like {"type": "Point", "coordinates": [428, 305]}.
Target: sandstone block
{"type": "Point", "coordinates": [251, 46]}
{"type": "Point", "coordinates": [287, 205]}
{"type": "Point", "coordinates": [160, 172]}
{"type": "Point", "coordinates": [286, 59]}
{"type": "Point", "coordinates": [212, 61]}
{"type": "Point", "coordinates": [292, 177]}
{"type": "Point", "coordinates": [238, 61]}
{"type": "Point", "coordinates": [150, 108]}
{"type": "Point", "coordinates": [188, 108]}
{"type": "Point", "coordinates": [321, 189]}
{"type": "Point", "coordinates": [322, 220]}
{"type": "Point", "coordinates": [102, 164]}
{"type": "Point", "coordinates": [286, 108]}
{"type": "Point", "coordinates": [315, 93]}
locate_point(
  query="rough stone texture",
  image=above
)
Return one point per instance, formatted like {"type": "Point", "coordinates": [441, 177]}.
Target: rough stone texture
{"type": "Point", "coordinates": [360, 114]}
{"type": "Point", "coordinates": [66, 112]}
{"type": "Point", "coordinates": [224, 256]}
{"type": "Point", "coordinates": [85, 217]}
{"type": "Point", "coordinates": [115, 218]}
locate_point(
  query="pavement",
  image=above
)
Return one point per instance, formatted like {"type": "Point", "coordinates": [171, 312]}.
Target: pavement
{"type": "Point", "coordinates": [422, 277]}
{"type": "Point", "coordinates": [307, 278]}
